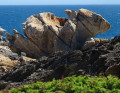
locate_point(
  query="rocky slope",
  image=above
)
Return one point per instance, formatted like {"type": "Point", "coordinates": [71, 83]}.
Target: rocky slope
{"type": "Point", "coordinates": [8, 59]}
{"type": "Point", "coordinates": [104, 58]}
{"type": "Point", "coordinates": [62, 48]}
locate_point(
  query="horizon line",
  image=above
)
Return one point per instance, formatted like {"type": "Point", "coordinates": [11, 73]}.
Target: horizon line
{"type": "Point", "coordinates": [60, 4]}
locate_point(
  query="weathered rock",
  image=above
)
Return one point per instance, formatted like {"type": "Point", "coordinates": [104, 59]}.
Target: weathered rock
{"type": "Point", "coordinates": [72, 14]}
{"type": "Point", "coordinates": [25, 45]}
{"type": "Point", "coordinates": [88, 43]}
{"type": "Point", "coordinates": [104, 57]}
{"type": "Point", "coordinates": [5, 51]}
{"type": "Point", "coordinates": [97, 40]}
{"type": "Point", "coordinates": [4, 58]}
{"type": "Point", "coordinates": [113, 70]}
{"type": "Point", "coordinates": [92, 42]}
{"type": "Point", "coordinates": [7, 65]}
{"type": "Point", "coordinates": [8, 59]}
{"type": "Point", "coordinates": [45, 33]}
{"type": "Point", "coordinates": [88, 24]}
{"type": "Point", "coordinates": [24, 58]}
{"type": "Point", "coordinates": [3, 84]}
{"type": "Point", "coordinates": [2, 31]}
{"type": "Point", "coordinates": [92, 22]}
{"type": "Point", "coordinates": [15, 31]}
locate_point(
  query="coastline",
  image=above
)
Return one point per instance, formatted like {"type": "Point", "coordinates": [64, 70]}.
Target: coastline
{"type": "Point", "coordinates": [55, 47]}
{"type": "Point", "coordinates": [24, 13]}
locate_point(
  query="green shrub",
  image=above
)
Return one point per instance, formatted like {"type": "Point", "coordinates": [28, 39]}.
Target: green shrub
{"type": "Point", "coordinates": [80, 84]}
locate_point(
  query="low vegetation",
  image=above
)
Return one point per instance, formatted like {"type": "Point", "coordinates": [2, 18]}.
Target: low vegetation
{"type": "Point", "coordinates": [80, 84]}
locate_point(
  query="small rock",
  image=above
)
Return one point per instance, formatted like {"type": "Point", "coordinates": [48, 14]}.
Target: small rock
{"type": "Point", "coordinates": [2, 31]}
{"type": "Point", "coordinates": [15, 31]}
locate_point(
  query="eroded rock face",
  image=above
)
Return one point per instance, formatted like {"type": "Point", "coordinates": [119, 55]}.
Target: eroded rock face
{"type": "Point", "coordinates": [104, 57]}
{"type": "Point", "coordinates": [20, 44]}
{"type": "Point", "coordinates": [47, 33]}
{"type": "Point", "coordinates": [88, 24]}
{"type": "Point", "coordinates": [8, 59]}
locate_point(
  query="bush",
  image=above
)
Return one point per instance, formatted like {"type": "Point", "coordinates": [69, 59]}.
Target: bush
{"type": "Point", "coordinates": [80, 84]}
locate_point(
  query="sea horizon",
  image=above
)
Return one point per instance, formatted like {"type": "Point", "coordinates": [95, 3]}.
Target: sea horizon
{"type": "Point", "coordinates": [12, 16]}
{"type": "Point", "coordinates": [60, 5]}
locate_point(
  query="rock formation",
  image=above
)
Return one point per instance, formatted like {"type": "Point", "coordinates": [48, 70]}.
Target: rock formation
{"type": "Point", "coordinates": [8, 59]}
{"type": "Point", "coordinates": [103, 57]}
{"type": "Point", "coordinates": [45, 33]}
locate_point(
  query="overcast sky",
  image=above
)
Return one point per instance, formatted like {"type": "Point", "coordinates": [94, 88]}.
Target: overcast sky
{"type": "Point", "coordinates": [57, 2]}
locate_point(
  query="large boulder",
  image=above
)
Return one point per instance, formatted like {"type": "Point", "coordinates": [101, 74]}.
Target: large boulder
{"type": "Point", "coordinates": [88, 24]}
{"type": "Point", "coordinates": [45, 33]}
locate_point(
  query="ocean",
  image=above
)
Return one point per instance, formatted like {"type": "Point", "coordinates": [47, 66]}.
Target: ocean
{"type": "Point", "coordinates": [12, 17]}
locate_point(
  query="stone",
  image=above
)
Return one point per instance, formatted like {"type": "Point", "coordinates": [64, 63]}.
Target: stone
{"type": "Point", "coordinates": [22, 44]}
{"type": "Point", "coordinates": [3, 84]}
{"type": "Point", "coordinates": [93, 22]}
{"type": "Point", "coordinates": [72, 14]}
{"type": "Point", "coordinates": [88, 43]}
{"type": "Point", "coordinates": [88, 25]}
{"type": "Point", "coordinates": [68, 28]}
{"type": "Point", "coordinates": [8, 59]}
{"type": "Point", "coordinates": [4, 58]}
{"type": "Point", "coordinates": [97, 40]}
{"type": "Point", "coordinates": [5, 51]}
{"type": "Point", "coordinates": [45, 33]}
{"type": "Point", "coordinates": [2, 31]}
{"type": "Point", "coordinates": [27, 59]}
{"type": "Point", "coordinates": [103, 57]}
{"type": "Point", "coordinates": [113, 70]}
{"type": "Point", "coordinates": [15, 31]}
{"type": "Point", "coordinates": [7, 65]}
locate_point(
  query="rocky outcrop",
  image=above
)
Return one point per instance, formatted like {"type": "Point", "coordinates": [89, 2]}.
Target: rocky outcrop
{"type": "Point", "coordinates": [97, 40]}
{"type": "Point", "coordinates": [7, 65]}
{"type": "Point", "coordinates": [91, 42]}
{"type": "Point", "coordinates": [113, 70]}
{"type": "Point", "coordinates": [45, 33]}
{"type": "Point", "coordinates": [104, 57]}
{"type": "Point", "coordinates": [8, 59]}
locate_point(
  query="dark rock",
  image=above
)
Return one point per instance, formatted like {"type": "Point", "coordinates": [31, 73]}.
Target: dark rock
{"type": "Point", "coordinates": [104, 57]}
{"type": "Point", "coordinates": [3, 84]}
{"type": "Point", "coordinates": [113, 70]}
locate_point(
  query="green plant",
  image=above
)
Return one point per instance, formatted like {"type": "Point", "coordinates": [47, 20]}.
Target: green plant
{"type": "Point", "coordinates": [80, 84]}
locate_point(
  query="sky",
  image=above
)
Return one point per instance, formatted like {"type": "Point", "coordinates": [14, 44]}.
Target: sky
{"type": "Point", "coordinates": [57, 2]}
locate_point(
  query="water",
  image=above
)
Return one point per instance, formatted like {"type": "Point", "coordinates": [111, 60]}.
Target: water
{"type": "Point", "coordinates": [12, 17]}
